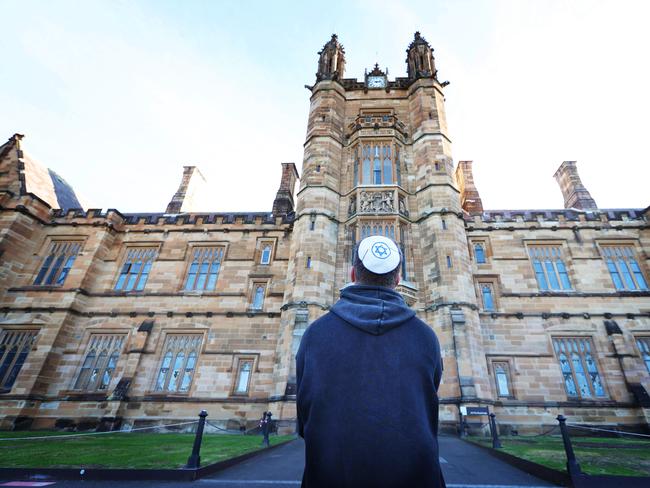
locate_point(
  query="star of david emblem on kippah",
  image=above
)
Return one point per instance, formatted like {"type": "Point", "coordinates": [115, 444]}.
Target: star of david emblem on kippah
{"type": "Point", "coordinates": [380, 250]}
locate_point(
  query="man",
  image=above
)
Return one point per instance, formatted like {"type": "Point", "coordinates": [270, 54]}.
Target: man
{"type": "Point", "coordinates": [367, 377]}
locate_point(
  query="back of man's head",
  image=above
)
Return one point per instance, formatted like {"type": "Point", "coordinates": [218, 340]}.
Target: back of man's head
{"type": "Point", "coordinates": [377, 262]}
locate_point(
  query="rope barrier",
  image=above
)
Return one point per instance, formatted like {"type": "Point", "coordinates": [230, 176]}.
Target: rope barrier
{"type": "Point", "coordinates": [243, 432]}
{"type": "Point", "coordinates": [538, 435]}
{"type": "Point", "coordinates": [607, 430]}
{"type": "Point", "coordinates": [67, 436]}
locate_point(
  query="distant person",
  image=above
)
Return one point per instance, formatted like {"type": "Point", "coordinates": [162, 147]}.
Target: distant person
{"type": "Point", "coordinates": [367, 379]}
{"type": "Point", "coordinates": [265, 426]}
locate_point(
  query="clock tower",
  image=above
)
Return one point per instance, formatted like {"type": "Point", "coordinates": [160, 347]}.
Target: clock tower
{"type": "Point", "coordinates": [377, 160]}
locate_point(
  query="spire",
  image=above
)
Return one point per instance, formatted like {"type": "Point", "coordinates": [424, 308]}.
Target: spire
{"type": "Point", "coordinates": [331, 64]}
{"type": "Point", "coordinates": [419, 59]}
{"type": "Point", "coordinates": [574, 192]}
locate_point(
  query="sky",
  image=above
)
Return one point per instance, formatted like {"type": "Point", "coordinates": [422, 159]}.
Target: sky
{"type": "Point", "coordinates": [117, 96]}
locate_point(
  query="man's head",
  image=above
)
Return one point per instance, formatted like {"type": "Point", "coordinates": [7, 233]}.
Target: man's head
{"type": "Point", "coordinates": [377, 262]}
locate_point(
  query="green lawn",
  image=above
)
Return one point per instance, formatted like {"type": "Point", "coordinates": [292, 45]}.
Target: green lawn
{"type": "Point", "coordinates": [122, 450]}
{"type": "Point", "coordinates": [596, 455]}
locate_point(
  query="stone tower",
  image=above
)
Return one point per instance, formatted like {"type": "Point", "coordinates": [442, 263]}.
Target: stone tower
{"type": "Point", "coordinates": [378, 160]}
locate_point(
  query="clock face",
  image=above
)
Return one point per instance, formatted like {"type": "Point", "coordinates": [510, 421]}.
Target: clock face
{"type": "Point", "coordinates": [376, 82]}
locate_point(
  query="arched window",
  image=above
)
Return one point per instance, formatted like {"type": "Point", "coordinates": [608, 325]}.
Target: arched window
{"type": "Point", "coordinates": [258, 297]}
{"type": "Point", "coordinates": [100, 362]}
{"type": "Point", "coordinates": [502, 379]}
{"type": "Point", "coordinates": [479, 253]}
{"type": "Point", "coordinates": [581, 376]}
{"type": "Point", "coordinates": [265, 258]}
{"type": "Point", "coordinates": [376, 166]}
{"type": "Point", "coordinates": [244, 369]}
{"type": "Point", "coordinates": [178, 363]}
{"type": "Point", "coordinates": [57, 263]}
{"type": "Point", "coordinates": [356, 166]}
{"type": "Point", "coordinates": [488, 298]}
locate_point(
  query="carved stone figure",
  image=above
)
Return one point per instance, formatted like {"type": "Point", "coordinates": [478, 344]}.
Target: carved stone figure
{"type": "Point", "coordinates": [376, 202]}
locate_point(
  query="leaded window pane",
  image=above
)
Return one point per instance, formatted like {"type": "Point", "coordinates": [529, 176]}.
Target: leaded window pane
{"type": "Point", "coordinates": [258, 298]}
{"type": "Point", "coordinates": [176, 371]}
{"type": "Point", "coordinates": [488, 299]}
{"type": "Point", "coordinates": [14, 349]}
{"type": "Point", "coordinates": [178, 363]}
{"type": "Point", "coordinates": [624, 268]}
{"type": "Point", "coordinates": [57, 264]}
{"type": "Point", "coordinates": [550, 270]}
{"type": "Point", "coordinates": [502, 377]}
{"type": "Point", "coordinates": [580, 372]}
{"type": "Point", "coordinates": [135, 270]}
{"type": "Point", "coordinates": [266, 254]}
{"type": "Point", "coordinates": [479, 253]}
{"type": "Point", "coordinates": [243, 377]}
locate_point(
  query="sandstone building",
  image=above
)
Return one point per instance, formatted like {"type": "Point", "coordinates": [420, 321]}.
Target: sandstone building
{"type": "Point", "coordinates": [112, 319]}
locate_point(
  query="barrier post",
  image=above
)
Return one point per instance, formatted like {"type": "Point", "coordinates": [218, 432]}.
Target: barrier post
{"type": "Point", "coordinates": [194, 461]}
{"type": "Point", "coordinates": [572, 465]}
{"type": "Point", "coordinates": [496, 443]}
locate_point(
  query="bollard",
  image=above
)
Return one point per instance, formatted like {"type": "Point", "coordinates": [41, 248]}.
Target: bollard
{"type": "Point", "coordinates": [496, 443]}
{"type": "Point", "coordinates": [194, 461]}
{"type": "Point", "coordinates": [572, 465]}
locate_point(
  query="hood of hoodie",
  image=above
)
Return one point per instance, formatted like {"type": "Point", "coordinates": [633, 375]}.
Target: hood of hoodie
{"type": "Point", "coordinates": [372, 309]}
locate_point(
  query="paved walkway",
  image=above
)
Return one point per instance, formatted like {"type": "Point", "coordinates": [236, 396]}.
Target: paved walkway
{"type": "Point", "coordinates": [464, 466]}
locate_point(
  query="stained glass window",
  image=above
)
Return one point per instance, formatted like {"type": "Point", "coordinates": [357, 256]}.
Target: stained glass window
{"type": "Point", "coordinates": [178, 363]}
{"type": "Point", "coordinates": [57, 264]}
{"type": "Point", "coordinates": [579, 369]}
{"type": "Point", "coordinates": [100, 362]}
{"type": "Point", "coordinates": [624, 268]}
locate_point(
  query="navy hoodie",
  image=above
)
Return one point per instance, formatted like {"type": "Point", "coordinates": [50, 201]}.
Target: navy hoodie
{"type": "Point", "coordinates": [367, 376]}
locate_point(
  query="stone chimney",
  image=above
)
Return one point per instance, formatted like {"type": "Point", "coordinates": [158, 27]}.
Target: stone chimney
{"type": "Point", "coordinates": [283, 203]}
{"type": "Point", "coordinates": [574, 193]}
{"type": "Point", "coordinates": [470, 200]}
{"type": "Point", "coordinates": [187, 197]}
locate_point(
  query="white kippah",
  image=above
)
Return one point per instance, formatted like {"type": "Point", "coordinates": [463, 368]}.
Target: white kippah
{"type": "Point", "coordinates": [379, 254]}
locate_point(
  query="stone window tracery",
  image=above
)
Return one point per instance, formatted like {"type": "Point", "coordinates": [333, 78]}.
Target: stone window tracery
{"type": "Point", "coordinates": [178, 364]}
{"type": "Point", "coordinates": [100, 362]}
{"type": "Point", "coordinates": [624, 268]}
{"type": "Point", "coordinates": [135, 269]}
{"type": "Point", "coordinates": [378, 163]}
{"type": "Point", "coordinates": [203, 271]}
{"type": "Point", "coordinates": [550, 270]}
{"type": "Point", "coordinates": [58, 262]}
{"type": "Point", "coordinates": [579, 369]}
{"type": "Point", "coordinates": [14, 349]}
